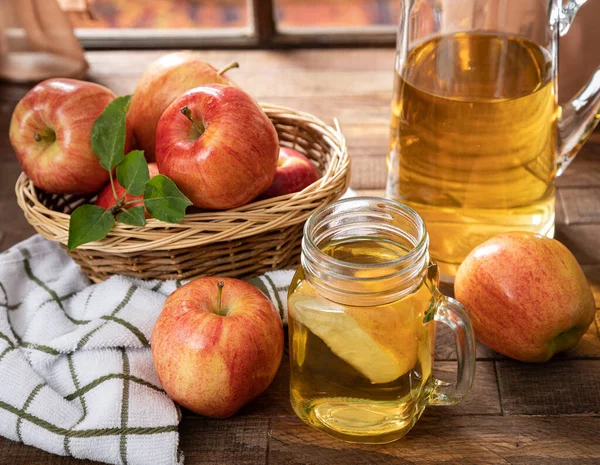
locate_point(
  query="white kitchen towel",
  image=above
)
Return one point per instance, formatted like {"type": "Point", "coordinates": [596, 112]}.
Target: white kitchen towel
{"type": "Point", "coordinates": [76, 372]}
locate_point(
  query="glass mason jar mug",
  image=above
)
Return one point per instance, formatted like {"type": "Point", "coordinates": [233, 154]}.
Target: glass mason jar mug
{"type": "Point", "coordinates": [363, 308]}
{"type": "Point", "coordinates": [477, 135]}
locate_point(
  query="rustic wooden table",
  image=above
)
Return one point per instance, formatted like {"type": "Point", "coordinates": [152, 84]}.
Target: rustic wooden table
{"type": "Point", "coordinates": [517, 413]}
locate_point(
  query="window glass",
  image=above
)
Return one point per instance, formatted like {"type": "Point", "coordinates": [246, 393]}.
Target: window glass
{"type": "Point", "coordinates": [336, 13]}
{"type": "Point", "coordinates": [157, 14]}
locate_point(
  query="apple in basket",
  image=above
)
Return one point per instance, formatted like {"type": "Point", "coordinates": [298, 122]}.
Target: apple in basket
{"type": "Point", "coordinates": [162, 82]}
{"type": "Point", "coordinates": [50, 131]}
{"type": "Point", "coordinates": [216, 345]}
{"type": "Point", "coordinates": [106, 198]}
{"type": "Point", "coordinates": [218, 146]}
{"type": "Point", "coordinates": [294, 172]}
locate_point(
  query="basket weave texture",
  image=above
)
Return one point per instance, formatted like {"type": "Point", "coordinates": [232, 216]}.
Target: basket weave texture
{"type": "Point", "coordinates": [242, 242]}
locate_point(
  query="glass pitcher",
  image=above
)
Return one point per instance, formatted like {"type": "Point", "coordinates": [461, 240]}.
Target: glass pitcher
{"type": "Point", "coordinates": [477, 135]}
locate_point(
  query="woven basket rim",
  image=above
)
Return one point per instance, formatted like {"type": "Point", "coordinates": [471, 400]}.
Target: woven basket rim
{"type": "Point", "coordinates": [198, 229]}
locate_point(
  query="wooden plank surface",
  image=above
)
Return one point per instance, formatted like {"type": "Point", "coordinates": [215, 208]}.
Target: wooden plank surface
{"type": "Point", "coordinates": [555, 388]}
{"type": "Point", "coordinates": [517, 413]}
{"type": "Point", "coordinates": [451, 440]}
{"type": "Point", "coordinates": [242, 440]}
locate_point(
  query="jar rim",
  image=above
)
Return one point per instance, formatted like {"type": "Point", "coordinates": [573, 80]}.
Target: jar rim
{"type": "Point", "coordinates": [413, 255]}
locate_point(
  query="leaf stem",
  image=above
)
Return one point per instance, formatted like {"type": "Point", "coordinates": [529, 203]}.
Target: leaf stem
{"type": "Point", "coordinates": [185, 111]}
{"type": "Point", "coordinates": [131, 202]}
{"type": "Point", "coordinates": [233, 64]}
{"type": "Point", "coordinates": [220, 285]}
{"type": "Point", "coordinates": [112, 185]}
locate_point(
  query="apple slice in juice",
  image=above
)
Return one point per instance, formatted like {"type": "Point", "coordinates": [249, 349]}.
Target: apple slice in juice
{"type": "Point", "coordinates": [376, 341]}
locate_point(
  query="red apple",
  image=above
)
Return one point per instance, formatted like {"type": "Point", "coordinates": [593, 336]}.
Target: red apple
{"type": "Point", "coordinates": [214, 354]}
{"type": "Point", "coordinates": [218, 146]}
{"type": "Point", "coordinates": [526, 294]}
{"type": "Point", "coordinates": [50, 131]}
{"type": "Point", "coordinates": [106, 198]}
{"type": "Point", "coordinates": [162, 82]}
{"type": "Point", "coordinates": [294, 173]}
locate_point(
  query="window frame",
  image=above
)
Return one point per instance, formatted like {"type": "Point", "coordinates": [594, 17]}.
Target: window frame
{"type": "Point", "coordinates": [261, 32]}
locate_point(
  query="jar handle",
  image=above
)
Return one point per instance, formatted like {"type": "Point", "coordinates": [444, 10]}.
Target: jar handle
{"type": "Point", "coordinates": [453, 314]}
{"type": "Point", "coordinates": [579, 117]}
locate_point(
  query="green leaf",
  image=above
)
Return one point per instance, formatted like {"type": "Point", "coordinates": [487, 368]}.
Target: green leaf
{"type": "Point", "coordinates": [108, 133]}
{"type": "Point", "coordinates": [164, 200]}
{"type": "Point", "coordinates": [89, 223]}
{"type": "Point", "coordinates": [132, 173]}
{"type": "Point", "coordinates": [135, 216]}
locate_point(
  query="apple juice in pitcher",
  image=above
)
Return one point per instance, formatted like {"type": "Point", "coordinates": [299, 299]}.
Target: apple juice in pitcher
{"type": "Point", "coordinates": [362, 310]}
{"type": "Point", "coordinates": [473, 140]}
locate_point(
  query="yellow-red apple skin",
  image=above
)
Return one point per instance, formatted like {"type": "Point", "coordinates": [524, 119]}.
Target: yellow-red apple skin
{"type": "Point", "coordinates": [162, 82]}
{"type": "Point", "coordinates": [212, 364]}
{"type": "Point", "coordinates": [106, 198]}
{"type": "Point", "coordinates": [69, 108]}
{"type": "Point", "coordinates": [235, 158]}
{"type": "Point", "coordinates": [527, 296]}
{"type": "Point", "coordinates": [294, 173]}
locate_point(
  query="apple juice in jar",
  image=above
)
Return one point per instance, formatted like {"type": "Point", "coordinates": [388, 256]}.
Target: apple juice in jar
{"type": "Point", "coordinates": [362, 311]}
{"type": "Point", "coordinates": [360, 370]}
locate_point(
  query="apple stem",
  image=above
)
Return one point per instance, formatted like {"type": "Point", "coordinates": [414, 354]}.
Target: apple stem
{"type": "Point", "coordinates": [49, 139]}
{"type": "Point", "coordinates": [185, 111]}
{"type": "Point", "coordinates": [232, 65]}
{"type": "Point", "coordinates": [113, 210]}
{"type": "Point", "coordinates": [116, 208]}
{"type": "Point", "coordinates": [220, 285]}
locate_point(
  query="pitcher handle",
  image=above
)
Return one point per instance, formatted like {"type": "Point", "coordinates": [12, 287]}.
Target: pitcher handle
{"type": "Point", "coordinates": [579, 117]}
{"type": "Point", "coordinates": [453, 314]}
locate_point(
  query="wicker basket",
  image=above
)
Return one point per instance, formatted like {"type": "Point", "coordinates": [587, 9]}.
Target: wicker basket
{"type": "Point", "coordinates": [242, 242]}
